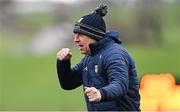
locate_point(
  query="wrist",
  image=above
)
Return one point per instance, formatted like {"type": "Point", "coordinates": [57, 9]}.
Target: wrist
{"type": "Point", "coordinates": [103, 94]}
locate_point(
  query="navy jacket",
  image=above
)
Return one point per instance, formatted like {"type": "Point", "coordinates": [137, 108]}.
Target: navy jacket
{"type": "Point", "coordinates": [110, 69]}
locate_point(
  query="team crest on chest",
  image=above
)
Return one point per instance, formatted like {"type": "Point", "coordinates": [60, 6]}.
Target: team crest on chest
{"type": "Point", "coordinates": [96, 68]}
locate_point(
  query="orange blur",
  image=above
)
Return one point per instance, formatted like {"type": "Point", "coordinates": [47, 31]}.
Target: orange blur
{"type": "Point", "coordinates": [159, 92]}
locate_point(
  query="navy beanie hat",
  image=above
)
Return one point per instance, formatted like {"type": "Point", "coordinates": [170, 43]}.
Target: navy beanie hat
{"type": "Point", "coordinates": [92, 24]}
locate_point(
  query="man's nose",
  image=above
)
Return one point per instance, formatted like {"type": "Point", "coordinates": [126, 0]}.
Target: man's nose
{"type": "Point", "coordinates": [76, 38]}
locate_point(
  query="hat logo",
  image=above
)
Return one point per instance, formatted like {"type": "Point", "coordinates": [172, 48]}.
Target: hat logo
{"type": "Point", "coordinates": [80, 20]}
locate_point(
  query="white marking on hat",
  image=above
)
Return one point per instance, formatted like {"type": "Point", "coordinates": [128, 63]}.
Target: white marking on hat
{"type": "Point", "coordinates": [80, 20]}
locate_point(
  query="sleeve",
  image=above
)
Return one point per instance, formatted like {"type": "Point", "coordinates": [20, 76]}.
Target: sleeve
{"type": "Point", "coordinates": [69, 78]}
{"type": "Point", "coordinates": [117, 70]}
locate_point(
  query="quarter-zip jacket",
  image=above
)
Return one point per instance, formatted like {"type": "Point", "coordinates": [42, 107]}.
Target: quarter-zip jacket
{"type": "Point", "coordinates": [110, 69]}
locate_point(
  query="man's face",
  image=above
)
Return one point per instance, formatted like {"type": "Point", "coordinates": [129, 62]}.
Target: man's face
{"type": "Point", "coordinates": [83, 42]}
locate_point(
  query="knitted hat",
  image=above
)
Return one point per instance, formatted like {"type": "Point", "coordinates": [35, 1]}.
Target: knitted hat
{"type": "Point", "coordinates": [92, 24]}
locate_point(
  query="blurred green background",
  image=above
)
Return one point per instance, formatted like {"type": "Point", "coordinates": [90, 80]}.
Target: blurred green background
{"type": "Point", "coordinates": [32, 32]}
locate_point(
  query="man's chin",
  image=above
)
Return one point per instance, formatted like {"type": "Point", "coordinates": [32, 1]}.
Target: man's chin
{"type": "Point", "coordinates": [83, 52]}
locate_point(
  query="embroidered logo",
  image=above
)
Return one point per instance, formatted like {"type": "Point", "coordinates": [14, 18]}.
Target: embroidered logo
{"type": "Point", "coordinates": [96, 68]}
{"type": "Point", "coordinates": [122, 62]}
{"type": "Point", "coordinates": [85, 69]}
{"type": "Point", "coordinates": [100, 56]}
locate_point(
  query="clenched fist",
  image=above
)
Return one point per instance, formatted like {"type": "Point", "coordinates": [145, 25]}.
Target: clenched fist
{"type": "Point", "coordinates": [64, 54]}
{"type": "Point", "coordinates": [93, 94]}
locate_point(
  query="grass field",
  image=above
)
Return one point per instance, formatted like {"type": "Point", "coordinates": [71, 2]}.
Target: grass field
{"type": "Point", "coordinates": [31, 83]}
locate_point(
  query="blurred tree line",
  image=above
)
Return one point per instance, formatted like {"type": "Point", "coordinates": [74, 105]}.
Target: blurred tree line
{"type": "Point", "coordinates": [143, 25]}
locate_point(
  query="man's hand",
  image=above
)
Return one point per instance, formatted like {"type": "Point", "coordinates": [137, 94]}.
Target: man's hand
{"type": "Point", "coordinates": [93, 94]}
{"type": "Point", "coordinates": [64, 54]}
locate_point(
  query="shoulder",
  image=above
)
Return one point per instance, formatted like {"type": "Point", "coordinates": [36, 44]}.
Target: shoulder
{"type": "Point", "coordinates": [115, 49]}
{"type": "Point", "coordinates": [116, 52]}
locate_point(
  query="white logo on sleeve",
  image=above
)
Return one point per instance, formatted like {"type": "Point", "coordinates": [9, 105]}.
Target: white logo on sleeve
{"type": "Point", "coordinates": [122, 62]}
{"type": "Point", "coordinates": [85, 69]}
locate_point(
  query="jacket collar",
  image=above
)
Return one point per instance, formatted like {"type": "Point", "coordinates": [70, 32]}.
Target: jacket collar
{"type": "Point", "coordinates": [110, 37]}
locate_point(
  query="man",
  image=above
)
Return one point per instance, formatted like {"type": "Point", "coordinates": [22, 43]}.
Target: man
{"type": "Point", "coordinates": [107, 72]}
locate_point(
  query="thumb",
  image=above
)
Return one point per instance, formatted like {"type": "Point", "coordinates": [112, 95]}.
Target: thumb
{"type": "Point", "coordinates": [87, 89]}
